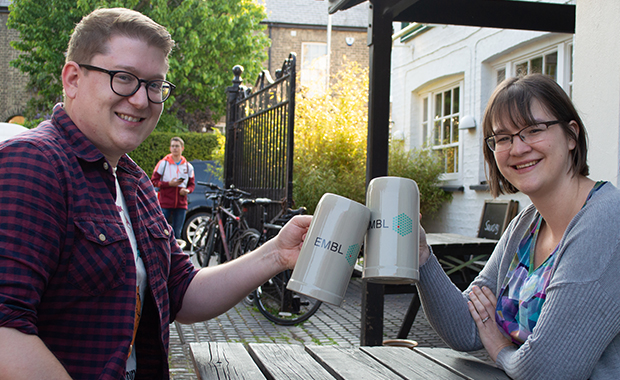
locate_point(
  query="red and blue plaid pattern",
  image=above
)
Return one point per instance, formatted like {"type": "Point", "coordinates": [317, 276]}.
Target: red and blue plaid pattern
{"type": "Point", "coordinates": [67, 271]}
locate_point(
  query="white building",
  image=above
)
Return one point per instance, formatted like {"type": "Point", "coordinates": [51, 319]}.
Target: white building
{"type": "Point", "coordinates": [442, 77]}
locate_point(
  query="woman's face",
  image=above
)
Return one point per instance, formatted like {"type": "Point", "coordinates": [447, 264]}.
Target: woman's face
{"type": "Point", "coordinates": [539, 168]}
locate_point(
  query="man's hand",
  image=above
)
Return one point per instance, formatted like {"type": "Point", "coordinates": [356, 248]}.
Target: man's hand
{"type": "Point", "coordinates": [183, 192]}
{"type": "Point", "coordinates": [216, 289]}
{"type": "Point", "coordinates": [289, 240]}
{"type": "Point", "coordinates": [482, 309]}
{"type": "Point", "coordinates": [176, 182]}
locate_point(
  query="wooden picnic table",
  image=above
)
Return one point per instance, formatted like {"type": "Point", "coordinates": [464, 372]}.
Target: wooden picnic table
{"type": "Point", "coordinates": [219, 360]}
{"type": "Point", "coordinates": [458, 252]}
{"type": "Point", "coordinates": [445, 244]}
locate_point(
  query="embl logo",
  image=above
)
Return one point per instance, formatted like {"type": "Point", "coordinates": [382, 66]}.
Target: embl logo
{"type": "Point", "coordinates": [336, 247]}
{"type": "Point", "coordinates": [401, 224]}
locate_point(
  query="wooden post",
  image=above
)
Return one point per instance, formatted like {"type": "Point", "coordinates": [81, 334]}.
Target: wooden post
{"type": "Point", "coordinates": [380, 42]}
{"type": "Point", "coordinates": [231, 118]}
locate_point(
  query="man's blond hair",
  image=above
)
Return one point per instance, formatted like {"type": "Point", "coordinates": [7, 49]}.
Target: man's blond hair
{"type": "Point", "coordinates": [92, 34]}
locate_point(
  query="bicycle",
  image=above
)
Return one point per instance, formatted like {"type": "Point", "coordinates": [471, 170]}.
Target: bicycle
{"type": "Point", "coordinates": [216, 235]}
{"type": "Point", "coordinates": [273, 299]}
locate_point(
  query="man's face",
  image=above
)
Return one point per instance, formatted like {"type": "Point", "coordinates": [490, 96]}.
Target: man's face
{"type": "Point", "coordinates": [176, 148]}
{"type": "Point", "coordinates": [115, 124]}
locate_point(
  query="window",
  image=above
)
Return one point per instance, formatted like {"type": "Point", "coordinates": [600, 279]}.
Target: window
{"type": "Point", "coordinates": [555, 60]}
{"type": "Point", "coordinates": [314, 66]}
{"type": "Point", "coordinates": [570, 73]}
{"type": "Point", "coordinates": [544, 64]}
{"type": "Point", "coordinates": [501, 75]}
{"type": "Point", "coordinates": [440, 125]}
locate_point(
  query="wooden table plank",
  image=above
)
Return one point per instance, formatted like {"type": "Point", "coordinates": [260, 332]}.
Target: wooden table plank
{"type": "Point", "coordinates": [448, 238]}
{"type": "Point", "coordinates": [410, 364]}
{"type": "Point", "coordinates": [287, 362]}
{"type": "Point", "coordinates": [215, 360]}
{"type": "Point", "coordinates": [282, 361]}
{"type": "Point", "coordinates": [350, 363]}
{"type": "Point", "coordinates": [465, 364]}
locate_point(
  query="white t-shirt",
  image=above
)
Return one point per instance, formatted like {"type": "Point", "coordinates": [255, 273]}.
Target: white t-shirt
{"type": "Point", "coordinates": [141, 282]}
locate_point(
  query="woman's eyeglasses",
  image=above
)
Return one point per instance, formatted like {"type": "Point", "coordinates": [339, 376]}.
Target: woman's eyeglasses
{"type": "Point", "coordinates": [531, 134]}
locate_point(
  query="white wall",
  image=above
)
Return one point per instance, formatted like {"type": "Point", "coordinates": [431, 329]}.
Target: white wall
{"type": "Point", "coordinates": [597, 83]}
{"type": "Point", "coordinates": [446, 53]}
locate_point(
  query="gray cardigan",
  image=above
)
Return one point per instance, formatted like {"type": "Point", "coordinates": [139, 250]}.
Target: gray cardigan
{"type": "Point", "coordinates": [577, 334]}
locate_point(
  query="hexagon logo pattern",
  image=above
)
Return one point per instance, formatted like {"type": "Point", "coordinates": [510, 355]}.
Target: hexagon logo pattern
{"type": "Point", "coordinates": [402, 224]}
{"type": "Point", "coordinates": [352, 253]}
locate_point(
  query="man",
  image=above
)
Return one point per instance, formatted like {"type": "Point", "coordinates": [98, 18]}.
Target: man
{"type": "Point", "coordinates": [90, 275]}
{"type": "Point", "coordinates": [174, 177]}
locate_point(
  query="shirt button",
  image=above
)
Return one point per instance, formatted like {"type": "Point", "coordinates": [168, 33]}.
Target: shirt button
{"type": "Point", "coordinates": [102, 237]}
{"type": "Point", "coordinates": [166, 232]}
{"type": "Point", "coordinates": [106, 166]}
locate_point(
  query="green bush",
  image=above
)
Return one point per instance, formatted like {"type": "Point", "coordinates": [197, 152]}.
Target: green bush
{"type": "Point", "coordinates": [198, 146]}
{"type": "Point", "coordinates": [330, 140]}
{"type": "Point", "coordinates": [424, 167]}
{"type": "Point", "coordinates": [330, 148]}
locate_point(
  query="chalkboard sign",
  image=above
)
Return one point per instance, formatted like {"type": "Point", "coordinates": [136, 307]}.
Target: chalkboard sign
{"type": "Point", "coordinates": [495, 218]}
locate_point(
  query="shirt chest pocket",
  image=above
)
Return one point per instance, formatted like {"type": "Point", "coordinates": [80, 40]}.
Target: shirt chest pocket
{"type": "Point", "coordinates": [99, 257]}
{"type": "Point", "coordinates": [157, 249]}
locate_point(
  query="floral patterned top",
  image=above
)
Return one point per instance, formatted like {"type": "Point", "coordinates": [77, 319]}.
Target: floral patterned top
{"type": "Point", "coordinates": [524, 289]}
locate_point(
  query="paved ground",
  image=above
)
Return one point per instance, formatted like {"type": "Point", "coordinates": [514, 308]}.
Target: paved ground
{"type": "Point", "coordinates": [330, 325]}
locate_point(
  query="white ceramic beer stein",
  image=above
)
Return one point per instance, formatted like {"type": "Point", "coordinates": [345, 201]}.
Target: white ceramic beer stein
{"type": "Point", "coordinates": [330, 250]}
{"type": "Point", "coordinates": [392, 240]}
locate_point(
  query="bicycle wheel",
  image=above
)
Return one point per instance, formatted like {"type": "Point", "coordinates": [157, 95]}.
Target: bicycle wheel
{"type": "Point", "coordinates": [281, 305]}
{"type": "Point", "coordinates": [197, 245]}
{"type": "Point", "coordinates": [246, 242]}
{"type": "Point", "coordinates": [198, 238]}
{"type": "Point", "coordinates": [214, 247]}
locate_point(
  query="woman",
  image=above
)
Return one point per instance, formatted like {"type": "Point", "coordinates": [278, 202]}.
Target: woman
{"type": "Point", "coordinates": [546, 305]}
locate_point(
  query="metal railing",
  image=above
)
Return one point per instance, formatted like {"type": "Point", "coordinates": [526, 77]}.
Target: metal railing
{"type": "Point", "coordinates": [259, 134]}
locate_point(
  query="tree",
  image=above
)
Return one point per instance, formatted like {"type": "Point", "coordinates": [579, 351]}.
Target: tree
{"type": "Point", "coordinates": [211, 37]}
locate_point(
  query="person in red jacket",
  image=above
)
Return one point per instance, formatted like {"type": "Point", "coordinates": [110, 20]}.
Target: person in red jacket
{"type": "Point", "coordinates": [174, 177]}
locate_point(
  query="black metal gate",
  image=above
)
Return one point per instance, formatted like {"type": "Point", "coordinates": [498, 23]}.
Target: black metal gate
{"type": "Point", "coordinates": [259, 134]}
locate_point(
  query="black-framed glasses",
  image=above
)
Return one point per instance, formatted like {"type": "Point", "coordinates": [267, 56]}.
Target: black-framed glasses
{"type": "Point", "coordinates": [529, 135]}
{"type": "Point", "coordinates": [126, 84]}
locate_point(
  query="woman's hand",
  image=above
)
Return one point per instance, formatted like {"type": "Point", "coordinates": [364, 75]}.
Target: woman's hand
{"type": "Point", "coordinates": [425, 252]}
{"type": "Point", "coordinates": [482, 308]}
{"type": "Point", "coordinates": [291, 237]}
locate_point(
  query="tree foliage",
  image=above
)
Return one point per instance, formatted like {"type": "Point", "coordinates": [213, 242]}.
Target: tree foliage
{"type": "Point", "coordinates": [211, 37]}
{"type": "Point", "coordinates": [330, 140]}
{"type": "Point", "coordinates": [330, 147]}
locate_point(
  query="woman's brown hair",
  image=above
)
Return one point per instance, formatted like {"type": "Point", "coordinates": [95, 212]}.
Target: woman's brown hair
{"type": "Point", "coordinates": [511, 103]}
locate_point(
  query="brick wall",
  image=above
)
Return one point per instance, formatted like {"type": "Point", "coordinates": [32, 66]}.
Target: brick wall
{"type": "Point", "coordinates": [289, 39]}
{"type": "Point", "coordinates": [13, 94]}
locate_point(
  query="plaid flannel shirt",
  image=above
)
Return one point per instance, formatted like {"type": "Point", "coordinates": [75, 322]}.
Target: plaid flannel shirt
{"type": "Point", "coordinates": [67, 271]}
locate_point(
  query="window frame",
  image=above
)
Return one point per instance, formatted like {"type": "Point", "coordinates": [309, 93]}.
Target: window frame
{"type": "Point", "coordinates": [507, 66]}
{"type": "Point", "coordinates": [427, 124]}
{"type": "Point", "coordinates": [309, 76]}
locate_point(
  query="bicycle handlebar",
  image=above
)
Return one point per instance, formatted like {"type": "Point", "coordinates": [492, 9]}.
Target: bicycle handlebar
{"type": "Point", "coordinates": [232, 191]}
